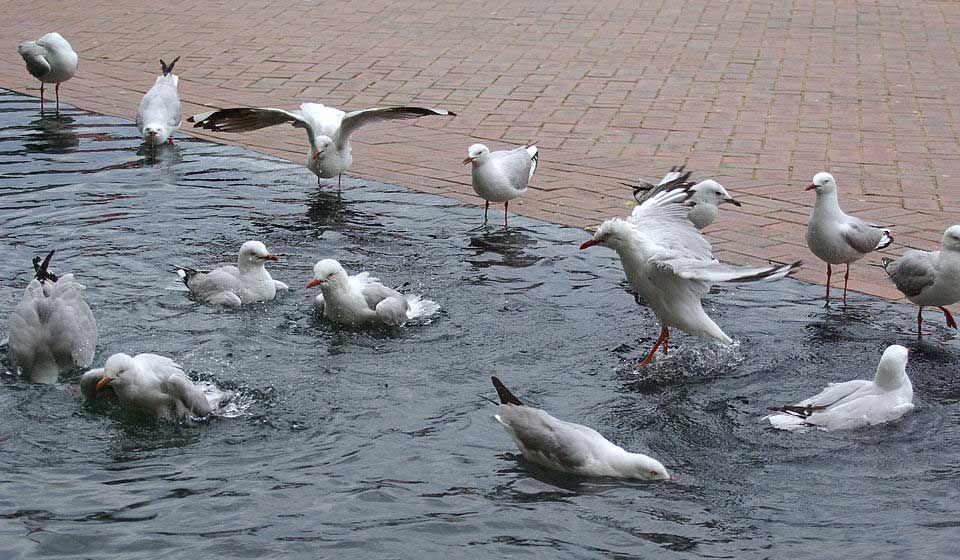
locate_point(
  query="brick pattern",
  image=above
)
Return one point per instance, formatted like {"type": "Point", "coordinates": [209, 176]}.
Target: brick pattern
{"type": "Point", "coordinates": [759, 94]}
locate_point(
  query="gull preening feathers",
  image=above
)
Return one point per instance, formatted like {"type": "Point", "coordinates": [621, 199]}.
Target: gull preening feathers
{"type": "Point", "coordinates": [51, 60]}
{"type": "Point", "coordinates": [930, 279]}
{"type": "Point", "coordinates": [328, 129]}
{"type": "Point", "coordinates": [568, 447]}
{"type": "Point", "coordinates": [155, 385]}
{"type": "Point", "coordinates": [501, 176]}
{"type": "Point", "coordinates": [854, 404]}
{"type": "Point", "coordinates": [359, 299]}
{"type": "Point", "coordinates": [232, 286]}
{"type": "Point", "coordinates": [158, 116]}
{"type": "Point", "coordinates": [837, 238]}
{"type": "Point", "coordinates": [671, 266]}
{"type": "Point", "coordinates": [705, 203]}
{"type": "Point", "coordinates": [52, 329]}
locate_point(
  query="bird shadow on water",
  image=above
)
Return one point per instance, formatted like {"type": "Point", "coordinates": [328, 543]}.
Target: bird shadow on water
{"type": "Point", "coordinates": [51, 134]}
{"type": "Point", "coordinates": [506, 246]}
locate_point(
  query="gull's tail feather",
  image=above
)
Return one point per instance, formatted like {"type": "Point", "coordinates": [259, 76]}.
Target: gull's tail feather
{"type": "Point", "coordinates": [885, 241]}
{"type": "Point", "coordinates": [421, 308]}
{"type": "Point", "coordinates": [165, 68]}
{"type": "Point", "coordinates": [41, 269]}
{"type": "Point", "coordinates": [506, 397]}
{"type": "Point", "coordinates": [534, 158]}
{"type": "Point", "coordinates": [185, 273]}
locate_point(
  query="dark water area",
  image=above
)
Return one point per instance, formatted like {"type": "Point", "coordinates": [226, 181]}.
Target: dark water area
{"type": "Point", "coordinates": [359, 443]}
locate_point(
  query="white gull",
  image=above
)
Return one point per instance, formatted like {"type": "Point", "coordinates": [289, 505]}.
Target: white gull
{"type": "Point", "coordinates": [705, 203]}
{"type": "Point", "coordinates": [158, 115]}
{"type": "Point", "coordinates": [51, 60]}
{"type": "Point", "coordinates": [501, 176]}
{"type": "Point", "coordinates": [232, 286]}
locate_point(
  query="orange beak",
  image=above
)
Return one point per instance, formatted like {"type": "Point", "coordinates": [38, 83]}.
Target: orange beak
{"type": "Point", "coordinates": [468, 160]}
{"type": "Point", "coordinates": [313, 283]}
{"type": "Point", "coordinates": [104, 381]}
{"type": "Point", "coordinates": [810, 187]}
{"type": "Point", "coordinates": [316, 155]}
{"type": "Point", "coordinates": [589, 243]}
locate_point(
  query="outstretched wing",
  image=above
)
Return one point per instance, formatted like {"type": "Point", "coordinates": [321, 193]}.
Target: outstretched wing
{"type": "Point", "coordinates": [663, 215]}
{"type": "Point", "coordinates": [714, 271]}
{"type": "Point", "coordinates": [356, 119]}
{"type": "Point", "coordinates": [245, 119]}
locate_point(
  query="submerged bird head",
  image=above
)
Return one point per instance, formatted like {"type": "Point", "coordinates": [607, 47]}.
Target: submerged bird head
{"type": "Point", "coordinates": [892, 370]}
{"type": "Point", "coordinates": [823, 182]}
{"type": "Point", "coordinates": [475, 152]}
{"type": "Point", "coordinates": [322, 146]}
{"type": "Point", "coordinates": [254, 253]}
{"type": "Point", "coordinates": [116, 371]}
{"type": "Point", "coordinates": [951, 238]}
{"type": "Point", "coordinates": [612, 234]}
{"type": "Point", "coordinates": [646, 468]}
{"type": "Point", "coordinates": [713, 193]}
{"type": "Point", "coordinates": [155, 134]}
{"type": "Point", "coordinates": [327, 273]}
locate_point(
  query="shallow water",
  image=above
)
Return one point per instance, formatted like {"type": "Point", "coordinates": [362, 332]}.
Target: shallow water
{"type": "Point", "coordinates": [378, 443]}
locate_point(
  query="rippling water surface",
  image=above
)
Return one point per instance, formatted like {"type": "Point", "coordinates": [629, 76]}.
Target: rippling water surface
{"type": "Point", "coordinates": [378, 443]}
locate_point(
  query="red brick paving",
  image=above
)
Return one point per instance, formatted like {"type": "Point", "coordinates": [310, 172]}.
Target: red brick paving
{"type": "Point", "coordinates": [758, 94]}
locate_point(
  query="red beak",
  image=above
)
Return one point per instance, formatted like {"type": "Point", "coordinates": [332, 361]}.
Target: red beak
{"type": "Point", "coordinates": [152, 133]}
{"type": "Point", "coordinates": [316, 155]}
{"type": "Point", "coordinates": [810, 187]}
{"type": "Point", "coordinates": [589, 243]}
{"type": "Point", "coordinates": [271, 258]}
{"type": "Point", "coordinates": [468, 160]}
{"type": "Point", "coordinates": [313, 283]}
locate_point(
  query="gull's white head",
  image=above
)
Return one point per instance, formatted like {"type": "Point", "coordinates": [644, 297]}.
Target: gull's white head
{"type": "Point", "coordinates": [712, 193]}
{"type": "Point", "coordinates": [951, 238]}
{"type": "Point", "coordinates": [612, 233]}
{"type": "Point", "coordinates": [475, 152]}
{"type": "Point", "coordinates": [254, 253]}
{"type": "Point", "coordinates": [115, 372]}
{"type": "Point", "coordinates": [155, 134]}
{"type": "Point", "coordinates": [892, 370]}
{"type": "Point", "coordinates": [823, 182]}
{"type": "Point", "coordinates": [328, 274]}
{"type": "Point", "coordinates": [647, 468]}
{"type": "Point", "coordinates": [322, 147]}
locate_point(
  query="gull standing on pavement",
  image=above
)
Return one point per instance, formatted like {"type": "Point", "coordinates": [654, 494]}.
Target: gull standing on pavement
{"type": "Point", "coordinates": [671, 266]}
{"type": "Point", "coordinates": [51, 60]}
{"type": "Point", "coordinates": [158, 116]}
{"type": "Point", "coordinates": [835, 237]}
{"type": "Point", "coordinates": [328, 129]}
{"type": "Point", "coordinates": [501, 176]}
{"type": "Point", "coordinates": [930, 279]}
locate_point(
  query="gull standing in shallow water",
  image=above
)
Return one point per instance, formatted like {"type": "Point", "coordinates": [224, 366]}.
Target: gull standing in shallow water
{"type": "Point", "coordinates": [155, 385]}
{"type": "Point", "coordinates": [854, 404]}
{"type": "Point", "coordinates": [569, 447]}
{"type": "Point", "coordinates": [359, 299]}
{"type": "Point", "coordinates": [51, 60]}
{"type": "Point", "coordinates": [501, 176]}
{"type": "Point", "coordinates": [158, 116]}
{"type": "Point", "coordinates": [53, 328]}
{"type": "Point", "coordinates": [835, 237]}
{"type": "Point", "coordinates": [930, 278]}
{"type": "Point", "coordinates": [232, 286]}
{"type": "Point", "coordinates": [671, 266]}
{"type": "Point", "coordinates": [705, 203]}
{"type": "Point", "coordinates": [328, 129]}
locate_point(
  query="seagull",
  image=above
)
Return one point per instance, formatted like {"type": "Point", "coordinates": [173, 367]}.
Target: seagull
{"type": "Point", "coordinates": [837, 238]}
{"type": "Point", "coordinates": [854, 404]}
{"type": "Point", "coordinates": [153, 384]}
{"type": "Point", "coordinates": [358, 299]}
{"type": "Point", "coordinates": [53, 328]}
{"type": "Point", "coordinates": [568, 447]}
{"type": "Point", "coordinates": [158, 116]}
{"type": "Point", "coordinates": [930, 278]}
{"type": "Point", "coordinates": [501, 176]}
{"type": "Point", "coordinates": [704, 205]}
{"type": "Point", "coordinates": [671, 266]}
{"type": "Point", "coordinates": [232, 286]}
{"type": "Point", "coordinates": [51, 60]}
{"type": "Point", "coordinates": [328, 129]}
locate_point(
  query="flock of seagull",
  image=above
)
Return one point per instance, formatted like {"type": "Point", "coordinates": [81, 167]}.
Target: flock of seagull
{"type": "Point", "coordinates": [669, 264]}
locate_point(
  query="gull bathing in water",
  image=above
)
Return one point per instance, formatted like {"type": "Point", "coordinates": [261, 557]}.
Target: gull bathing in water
{"type": "Point", "coordinates": [568, 447]}
{"type": "Point", "coordinates": [51, 60]}
{"type": "Point", "coordinates": [501, 176]}
{"type": "Point", "coordinates": [835, 237]}
{"type": "Point", "coordinates": [232, 286]}
{"type": "Point", "coordinates": [671, 266]}
{"type": "Point", "coordinates": [328, 129]}
{"type": "Point", "coordinates": [705, 203]}
{"type": "Point", "coordinates": [359, 299]}
{"type": "Point", "coordinates": [152, 384]}
{"type": "Point", "coordinates": [53, 328]}
{"type": "Point", "coordinates": [854, 404]}
{"type": "Point", "coordinates": [930, 279]}
{"type": "Point", "coordinates": [158, 116]}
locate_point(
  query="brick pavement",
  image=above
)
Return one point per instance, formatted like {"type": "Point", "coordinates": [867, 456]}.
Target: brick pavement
{"type": "Point", "coordinates": [758, 94]}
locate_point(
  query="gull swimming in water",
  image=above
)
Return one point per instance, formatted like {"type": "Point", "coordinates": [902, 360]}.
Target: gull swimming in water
{"type": "Point", "coordinates": [568, 447]}
{"type": "Point", "coordinates": [52, 329]}
{"type": "Point", "coordinates": [328, 129]}
{"type": "Point", "coordinates": [837, 238]}
{"type": "Point", "coordinates": [930, 279]}
{"type": "Point", "coordinates": [155, 385]}
{"type": "Point", "coordinates": [359, 299]}
{"type": "Point", "coordinates": [51, 60]}
{"type": "Point", "coordinates": [854, 404]}
{"type": "Point", "coordinates": [671, 266]}
{"type": "Point", "coordinates": [501, 176]}
{"type": "Point", "coordinates": [232, 286]}
{"type": "Point", "coordinates": [158, 116]}
{"type": "Point", "coordinates": [705, 203]}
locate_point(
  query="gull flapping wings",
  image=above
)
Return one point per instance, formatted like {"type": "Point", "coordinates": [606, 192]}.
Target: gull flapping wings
{"type": "Point", "coordinates": [356, 119]}
{"type": "Point", "coordinates": [662, 219]}
{"type": "Point", "coordinates": [245, 119]}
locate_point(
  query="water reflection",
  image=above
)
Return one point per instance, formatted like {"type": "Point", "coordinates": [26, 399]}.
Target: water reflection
{"type": "Point", "coordinates": [503, 247]}
{"type": "Point", "coordinates": [52, 135]}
